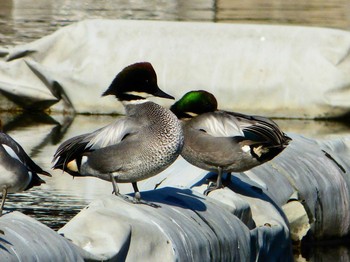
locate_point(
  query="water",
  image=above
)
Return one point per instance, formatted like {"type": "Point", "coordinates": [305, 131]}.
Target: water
{"type": "Point", "coordinates": [23, 21]}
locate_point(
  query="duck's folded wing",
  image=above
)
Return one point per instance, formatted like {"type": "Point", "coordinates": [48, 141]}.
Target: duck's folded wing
{"type": "Point", "coordinates": [76, 147]}
{"type": "Point", "coordinates": [112, 134]}
{"type": "Point", "coordinates": [217, 124]}
{"type": "Point", "coordinates": [260, 129]}
{"type": "Point", "coordinates": [256, 129]}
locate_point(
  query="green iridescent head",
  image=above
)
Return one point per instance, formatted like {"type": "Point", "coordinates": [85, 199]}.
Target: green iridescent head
{"type": "Point", "coordinates": [194, 103]}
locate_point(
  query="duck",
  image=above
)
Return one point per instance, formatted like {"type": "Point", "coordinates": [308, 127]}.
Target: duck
{"type": "Point", "coordinates": [18, 172]}
{"type": "Point", "coordinates": [220, 141]}
{"type": "Point", "coordinates": [134, 147]}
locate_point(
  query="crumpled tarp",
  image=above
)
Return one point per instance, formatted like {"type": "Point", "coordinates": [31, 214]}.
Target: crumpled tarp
{"type": "Point", "coordinates": [24, 239]}
{"type": "Point", "coordinates": [282, 71]}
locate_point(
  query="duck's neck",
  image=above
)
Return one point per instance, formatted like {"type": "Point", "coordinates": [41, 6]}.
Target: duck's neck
{"type": "Point", "coordinates": [131, 107]}
{"type": "Point", "coordinates": [134, 102]}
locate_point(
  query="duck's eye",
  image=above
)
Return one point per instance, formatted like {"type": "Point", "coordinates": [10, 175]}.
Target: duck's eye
{"type": "Point", "coordinates": [202, 130]}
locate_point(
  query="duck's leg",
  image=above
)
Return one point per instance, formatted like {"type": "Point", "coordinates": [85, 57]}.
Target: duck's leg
{"type": "Point", "coordinates": [217, 185]}
{"type": "Point", "coordinates": [115, 186]}
{"type": "Point", "coordinates": [219, 179]}
{"type": "Point", "coordinates": [4, 195]}
{"type": "Point", "coordinates": [137, 192]}
{"type": "Point", "coordinates": [137, 197]}
{"type": "Point", "coordinates": [116, 190]}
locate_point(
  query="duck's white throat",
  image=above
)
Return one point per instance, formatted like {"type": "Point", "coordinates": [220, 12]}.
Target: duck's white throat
{"type": "Point", "coordinates": [134, 102]}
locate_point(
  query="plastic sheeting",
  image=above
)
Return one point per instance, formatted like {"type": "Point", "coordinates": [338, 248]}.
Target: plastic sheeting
{"type": "Point", "coordinates": [282, 71]}
{"type": "Point", "coordinates": [187, 227]}
{"type": "Point", "coordinates": [24, 239]}
{"type": "Point", "coordinates": [184, 228]}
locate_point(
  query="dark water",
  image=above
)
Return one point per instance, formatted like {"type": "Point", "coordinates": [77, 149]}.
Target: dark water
{"type": "Point", "coordinates": [23, 21]}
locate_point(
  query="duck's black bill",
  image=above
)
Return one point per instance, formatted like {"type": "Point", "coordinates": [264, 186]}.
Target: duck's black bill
{"type": "Point", "coordinates": [106, 93]}
{"type": "Point", "coordinates": [162, 94]}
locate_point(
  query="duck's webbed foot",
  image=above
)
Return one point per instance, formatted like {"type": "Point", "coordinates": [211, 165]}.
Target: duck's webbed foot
{"type": "Point", "coordinates": [144, 202]}
{"type": "Point", "coordinates": [213, 186]}
{"type": "Point", "coordinates": [137, 197]}
{"type": "Point", "coordinates": [116, 190]}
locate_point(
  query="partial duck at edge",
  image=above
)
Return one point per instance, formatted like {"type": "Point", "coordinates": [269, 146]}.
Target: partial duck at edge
{"type": "Point", "coordinates": [18, 172]}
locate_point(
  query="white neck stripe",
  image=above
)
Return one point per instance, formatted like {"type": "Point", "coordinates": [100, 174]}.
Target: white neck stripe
{"type": "Point", "coordinates": [134, 102]}
{"type": "Point", "coordinates": [191, 114]}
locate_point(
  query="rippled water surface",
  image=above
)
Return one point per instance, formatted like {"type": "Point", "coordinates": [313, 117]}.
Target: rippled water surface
{"type": "Point", "coordinates": [22, 21]}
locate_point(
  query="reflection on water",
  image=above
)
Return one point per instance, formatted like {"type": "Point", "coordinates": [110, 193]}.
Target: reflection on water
{"type": "Point", "coordinates": [22, 21]}
{"type": "Point", "coordinates": [334, 13]}
{"type": "Point", "coordinates": [51, 208]}
{"type": "Point", "coordinates": [316, 129]}
{"type": "Point", "coordinates": [325, 252]}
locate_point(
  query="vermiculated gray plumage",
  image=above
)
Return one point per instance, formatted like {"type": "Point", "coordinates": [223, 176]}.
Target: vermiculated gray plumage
{"type": "Point", "coordinates": [154, 142]}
